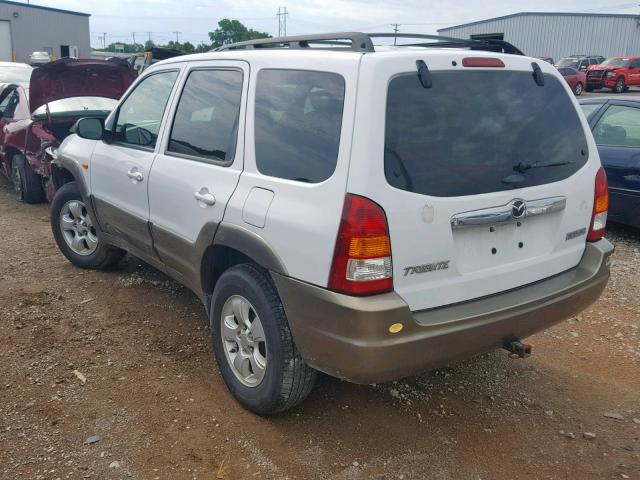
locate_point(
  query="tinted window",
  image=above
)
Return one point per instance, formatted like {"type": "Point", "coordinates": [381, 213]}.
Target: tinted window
{"type": "Point", "coordinates": [206, 119]}
{"type": "Point", "coordinates": [465, 137]}
{"type": "Point", "coordinates": [635, 64]}
{"type": "Point", "coordinates": [593, 61]}
{"type": "Point", "coordinates": [297, 125]}
{"type": "Point", "coordinates": [619, 126]}
{"type": "Point", "coordinates": [8, 105]}
{"type": "Point", "coordinates": [140, 115]}
{"type": "Point", "coordinates": [568, 62]}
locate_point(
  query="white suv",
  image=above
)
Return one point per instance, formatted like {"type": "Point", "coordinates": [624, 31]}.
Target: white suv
{"type": "Point", "coordinates": [369, 212]}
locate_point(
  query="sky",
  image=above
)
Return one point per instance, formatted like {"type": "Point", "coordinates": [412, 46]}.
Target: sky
{"type": "Point", "coordinates": [122, 19]}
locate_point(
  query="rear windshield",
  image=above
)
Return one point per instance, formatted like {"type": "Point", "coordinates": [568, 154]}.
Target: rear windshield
{"type": "Point", "coordinates": [476, 132]}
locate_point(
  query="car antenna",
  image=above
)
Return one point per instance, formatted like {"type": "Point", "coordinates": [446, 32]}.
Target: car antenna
{"type": "Point", "coordinates": [423, 74]}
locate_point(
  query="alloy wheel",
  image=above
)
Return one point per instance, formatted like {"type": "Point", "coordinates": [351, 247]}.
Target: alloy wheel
{"type": "Point", "coordinates": [16, 178]}
{"type": "Point", "coordinates": [243, 340]}
{"type": "Point", "coordinates": [77, 229]}
{"type": "Point", "coordinates": [578, 90]}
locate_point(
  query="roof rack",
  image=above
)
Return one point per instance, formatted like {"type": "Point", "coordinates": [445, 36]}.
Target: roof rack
{"type": "Point", "coordinates": [362, 42]}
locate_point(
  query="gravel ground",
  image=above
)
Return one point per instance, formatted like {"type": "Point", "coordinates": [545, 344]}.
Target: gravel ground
{"type": "Point", "coordinates": [108, 375]}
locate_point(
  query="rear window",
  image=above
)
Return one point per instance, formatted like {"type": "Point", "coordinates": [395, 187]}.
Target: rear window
{"type": "Point", "coordinates": [298, 122]}
{"type": "Point", "coordinates": [476, 132]}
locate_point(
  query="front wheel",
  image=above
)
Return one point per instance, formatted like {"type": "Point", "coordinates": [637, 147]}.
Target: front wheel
{"type": "Point", "coordinates": [620, 86]}
{"type": "Point", "coordinates": [578, 89]}
{"type": "Point", "coordinates": [75, 234]}
{"type": "Point", "coordinates": [253, 345]}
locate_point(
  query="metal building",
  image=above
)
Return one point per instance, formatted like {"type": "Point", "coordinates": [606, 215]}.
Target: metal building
{"type": "Point", "coordinates": [28, 28]}
{"type": "Point", "coordinates": [559, 34]}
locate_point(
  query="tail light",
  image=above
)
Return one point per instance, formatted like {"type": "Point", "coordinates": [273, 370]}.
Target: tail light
{"type": "Point", "coordinates": [600, 207]}
{"type": "Point", "coordinates": [482, 62]}
{"type": "Point", "coordinates": [362, 256]}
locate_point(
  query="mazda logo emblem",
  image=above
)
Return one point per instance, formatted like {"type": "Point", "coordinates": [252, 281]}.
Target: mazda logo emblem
{"type": "Point", "coordinates": [518, 208]}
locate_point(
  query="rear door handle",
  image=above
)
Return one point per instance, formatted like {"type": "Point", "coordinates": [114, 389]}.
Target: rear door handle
{"type": "Point", "coordinates": [135, 175]}
{"type": "Point", "coordinates": [205, 197]}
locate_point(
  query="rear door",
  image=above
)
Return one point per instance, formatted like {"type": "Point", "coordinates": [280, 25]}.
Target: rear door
{"type": "Point", "coordinates": [120, 168]}
{"type": "Point", "coordinates": [200, 161]}
{"type": "Point", "coordinates": [617, 132]}
{"type": "Point", "coordinates": [633, 77]}
{"type": "Point", "coordinates": [485, 176]}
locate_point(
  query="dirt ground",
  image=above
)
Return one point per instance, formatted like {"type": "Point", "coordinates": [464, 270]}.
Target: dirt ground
{"type": "Point", "coordinates": [157, 408]}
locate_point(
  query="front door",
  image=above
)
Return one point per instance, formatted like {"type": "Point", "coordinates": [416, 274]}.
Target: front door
{"type": "Point", "coordinates": [200, 161]}
{"type": "Point", "coordinates": [617, 134]}
{"type": "Point", "coordinates": [120, 168]}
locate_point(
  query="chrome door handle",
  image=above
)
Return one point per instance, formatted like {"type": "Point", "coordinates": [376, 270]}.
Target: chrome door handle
{"type": "Point", "coordinates": [135, 175]}
{"type": "Point", "coordinates": [205, 197]}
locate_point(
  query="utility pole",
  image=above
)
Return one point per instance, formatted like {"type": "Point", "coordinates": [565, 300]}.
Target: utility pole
{"type": "Point", "coordinates": [177, 33]}
{"type": "Point", "coordinates": [282, 21]}
{"type": "Point", "coordinates": [149, 35]}
{"type": "Point", "coordinates": [133, 34]}
{"type": "Point", "coordinates": [396, 29]}
{"type": "Point", "coordinates": [104, 39]}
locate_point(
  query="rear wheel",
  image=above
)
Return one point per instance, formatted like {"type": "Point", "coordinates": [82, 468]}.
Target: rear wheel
{"type": "Point", "coordinates": [620, 86]}
{"type": "Point", "coordinates": [578, 89]}
{"type": "Point", "coordinates": [253, 344]}
{"type": "Point", "coordinates": [75, 233]}
{"type": "Point", "coordinates": [27, 184]}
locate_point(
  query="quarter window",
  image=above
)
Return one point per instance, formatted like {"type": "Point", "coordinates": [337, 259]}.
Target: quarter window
{"type": "Point", "coordinates": [297, 124]}
{"type": "Point", "coordinates": [206, 120]}
{"type": "Point", "coordinates": [8, 105]}
{"type": "Point", "coordinates": [140, 115]}
{"type": "Point", "coordinates": [619, 126]}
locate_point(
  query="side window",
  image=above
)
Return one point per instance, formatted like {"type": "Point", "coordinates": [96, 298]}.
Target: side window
{"type": "Point", "coordinates": [593, 61]}
{"type": "Point", "coordinates": [583, 64]}
{"type": "Point", "coordinates": [619, 126]}
{"type": "Point", "coordinates": [297, 123]}
{"type": "Point", "coordinates": [140, 115]}
{"type": "Point", "coordinates": [590, 108]}
{"type": "Point", "coordinates": [635, 64]}
{"type": "Point", "coordinates": [206, 120]}
{"type": "Point", "coordinates": [8, 105]}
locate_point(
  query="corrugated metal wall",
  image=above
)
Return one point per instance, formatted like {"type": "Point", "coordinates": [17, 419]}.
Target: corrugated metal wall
{"type": "Point", "coordinates": [36, 29]}
{"type": "Point", "coordinates": [561, 35]}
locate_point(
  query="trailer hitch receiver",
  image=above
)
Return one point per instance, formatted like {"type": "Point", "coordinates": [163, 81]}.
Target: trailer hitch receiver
{"type": "Point", "coordinates": [516, 348]}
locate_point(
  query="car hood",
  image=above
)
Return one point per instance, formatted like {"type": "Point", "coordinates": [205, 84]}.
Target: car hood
{"type": "Point", "coordinates": [603, 67]}
{"type": "Point", "coordinates": [69, 77]}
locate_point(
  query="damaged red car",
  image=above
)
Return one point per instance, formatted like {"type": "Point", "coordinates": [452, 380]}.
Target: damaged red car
{"type": "Point", "coordinates": [35, 119]}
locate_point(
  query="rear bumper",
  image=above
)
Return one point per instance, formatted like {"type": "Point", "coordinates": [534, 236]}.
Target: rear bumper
{"type": "Point", "coordinates": [348, 337]}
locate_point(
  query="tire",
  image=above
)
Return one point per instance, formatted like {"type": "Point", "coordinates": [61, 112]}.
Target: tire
{"type": "Point", "coordinates": [74, 233]}
{"type": "Point", "coordinates": [26, 183]}
{"type": "Point", "coordinates": [578, 90]}
{"type": "Point", "coordinates": [272, 376]}
{"type": "Point", "coordinates": [620, 86]}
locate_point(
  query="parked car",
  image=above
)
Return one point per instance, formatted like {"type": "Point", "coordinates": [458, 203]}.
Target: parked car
{"type": "Point", "coordinates": [34, 119]}
{"type": "Point", "coordinates": [616, 129]}
{"type": "Point", "coordinates": [576, 80]}
{"type": "Point", "coordinates": [39, 58]}
{"type": "Point", "coordinates": [12, 72]}
{"type": "Point", "coordinates": [580, 62]}
{"type": "Point", "coordinates": [335, 210]}
{"type": "Point", "coordinates": [617, 73]}
{"type": "Point", "coordinates": [546, 59]}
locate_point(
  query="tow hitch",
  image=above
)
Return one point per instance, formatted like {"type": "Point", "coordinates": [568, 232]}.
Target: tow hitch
{"type": "Point", "coordinates": [516, 348]}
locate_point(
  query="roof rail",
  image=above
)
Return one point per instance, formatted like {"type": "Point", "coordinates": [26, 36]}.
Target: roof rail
{"type": "Point", "coordinates": [362, 42]}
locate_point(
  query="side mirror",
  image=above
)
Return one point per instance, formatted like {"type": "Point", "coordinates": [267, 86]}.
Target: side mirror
{"type": "Point", "coordinates": [89, 128]}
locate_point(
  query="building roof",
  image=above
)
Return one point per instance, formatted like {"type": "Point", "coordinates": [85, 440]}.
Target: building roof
{"type": "Point", "coordinates": [40, 7]}
{"type": "Point", "coordinates": [541, 14]}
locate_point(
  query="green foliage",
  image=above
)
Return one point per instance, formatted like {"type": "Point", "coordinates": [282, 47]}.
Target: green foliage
{"type": "Point", "coordinates": [232, 31]}
{"type": "Point", "coordinates": [128, 47]}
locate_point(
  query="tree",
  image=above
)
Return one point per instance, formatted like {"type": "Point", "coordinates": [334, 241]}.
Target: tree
{"type": "Point", "coordinates": [186, 47]}
{"type": "Point", "coordinates": [148, 45]}
{"type": "Point", "coordinates": [126, 47]}
{"type": "Point", "coordinates": [232, 31]}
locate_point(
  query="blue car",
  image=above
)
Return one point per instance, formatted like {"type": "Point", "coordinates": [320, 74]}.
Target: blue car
{"type": "Point", "coordinates": [616, 128]}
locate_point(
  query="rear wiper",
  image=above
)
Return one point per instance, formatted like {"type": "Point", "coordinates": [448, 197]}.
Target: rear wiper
{"type": "Point", "coordinates": [524, 166]}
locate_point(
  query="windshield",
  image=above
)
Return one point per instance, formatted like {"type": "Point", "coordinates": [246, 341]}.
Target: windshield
{"type": "Point", "coordinates": [616, 62]}
{"type": "Point", "coordinates": [568, 62]}
{"type": "Point", "coordinates": [464, 136]}
{"type": "Point", "coordinates": [77, 106]}
{"type": "Point", "coordinates": [15, 74]}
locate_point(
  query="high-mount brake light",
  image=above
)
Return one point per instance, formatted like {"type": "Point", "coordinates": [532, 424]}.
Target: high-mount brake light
{"type": "Point", "coordinates": [600, 207]}
{"type": "Point", "coordinates": [482, 62]}
{"type": "Point", "coordinates": [362, 255]}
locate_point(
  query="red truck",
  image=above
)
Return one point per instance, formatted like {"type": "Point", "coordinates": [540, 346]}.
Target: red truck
{"type": "Point", "coordinates": [616, 73]}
